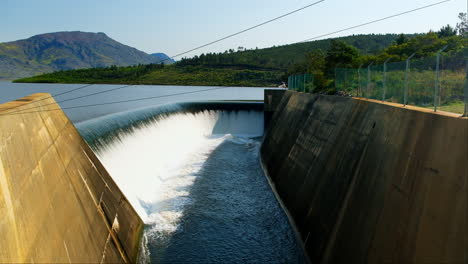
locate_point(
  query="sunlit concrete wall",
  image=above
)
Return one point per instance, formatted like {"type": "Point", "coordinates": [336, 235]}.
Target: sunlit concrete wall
{"type": "Point", "coordinates": [367, 182]}
{"type": "Point", "coordinates": [57, 202]}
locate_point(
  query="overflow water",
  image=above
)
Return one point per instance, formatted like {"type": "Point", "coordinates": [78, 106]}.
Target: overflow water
{"type": "Point", "coordinates": [192, 173]}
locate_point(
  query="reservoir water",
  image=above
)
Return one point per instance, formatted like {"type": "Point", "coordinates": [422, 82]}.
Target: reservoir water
{"type": "Point", "coordinates": [191, 170]}
{"type": "Point", "coordinates": [96, 95]}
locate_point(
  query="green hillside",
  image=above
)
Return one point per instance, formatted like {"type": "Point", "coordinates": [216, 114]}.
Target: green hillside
{"type": "Point", "coordinates": [283, 57]}
{"type": "Point", "coordinates": [270, 66]}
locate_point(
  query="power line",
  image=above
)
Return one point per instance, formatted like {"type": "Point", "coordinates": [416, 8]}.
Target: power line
{"type": "Point", "coordinates": [243, 31]}
{"type": "Point", "coordinates": [113, 102]}
{"type": "Point", "coordinates": [72, 90]}
{"type": "Point", "coordinates": [375, 21]}
{"type": "Point", "coordinates": [199, 47]}
{"type": "Point", "coordinates": [140, 99]}
{"type": "Point", "coordinates": [70, 99]}
{"type": "Point", "coordinates": [59, 94]}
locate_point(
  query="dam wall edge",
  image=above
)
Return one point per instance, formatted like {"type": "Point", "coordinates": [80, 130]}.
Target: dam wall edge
{"type": "Point", "coordinates": [60, 202]}
{"type": "Point", "coordinates": [370, 182]}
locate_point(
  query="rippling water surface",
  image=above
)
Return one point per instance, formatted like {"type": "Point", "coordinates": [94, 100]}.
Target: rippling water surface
{"type": "Point", "coordinates": [232, 216]}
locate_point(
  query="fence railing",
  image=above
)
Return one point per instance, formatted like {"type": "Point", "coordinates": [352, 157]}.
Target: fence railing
{"type": "Point", "coordinates": [301, 82]}
{"type": "Point", "coordinates": [438, 82]}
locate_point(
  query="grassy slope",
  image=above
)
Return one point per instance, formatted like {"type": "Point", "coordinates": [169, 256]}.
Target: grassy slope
{"type": "Point", "coordinates": [457, 107]}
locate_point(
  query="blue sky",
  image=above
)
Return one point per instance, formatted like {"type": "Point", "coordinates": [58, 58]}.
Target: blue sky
{"type": "Point", "coordinates": [173, 26]}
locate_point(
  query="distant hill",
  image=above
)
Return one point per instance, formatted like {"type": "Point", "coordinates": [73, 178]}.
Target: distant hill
{"type": "Point", "coordinates": [282, 57]}
{"type": "Point", "coordinates": [161, 57]}
{"type": "Point", "coordinates": [65, 51]}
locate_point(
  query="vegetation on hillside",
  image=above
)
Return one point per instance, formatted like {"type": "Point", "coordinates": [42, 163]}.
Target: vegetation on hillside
{"type": "Point", "coordinates": [256, 67]}
{"type": "Point", "coordinates": [272, 66]}
{"type": "Point", "coordinates": [322, 65]}
{"type": "Point", "coordinates": [164, 75]}
{"type": "Point", "coordinates": [283, 57]}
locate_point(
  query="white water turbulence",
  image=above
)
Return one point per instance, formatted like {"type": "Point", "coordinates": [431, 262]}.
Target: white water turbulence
{"type": "Point", "coordinates": [155, 164]}
{"type": "Point", "coordinates": [192, 173]}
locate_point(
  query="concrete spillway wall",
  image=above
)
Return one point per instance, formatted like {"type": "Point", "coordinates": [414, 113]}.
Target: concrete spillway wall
{"type": "Point", "coordinates": [367, 182]}
{"type": "Point", "coordinates": [57, 202]}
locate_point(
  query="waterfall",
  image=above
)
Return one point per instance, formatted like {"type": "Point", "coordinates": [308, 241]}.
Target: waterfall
{"type": "Point", "coordinates": [154, 154]}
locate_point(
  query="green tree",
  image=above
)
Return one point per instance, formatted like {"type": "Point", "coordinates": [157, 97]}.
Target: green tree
{"type": "Point", "coordinates": [447, 31]}
{"type": "Point", "coordinates": [401, 39]}
{"type": "Point", "coordinates": [425, 45]}
{"type": "Point", "coordinates": [462, 26]}
{"type": "Point", "coordinates": [340, 55]}
{"type": "Point", "coordinates": [315, 64]}
{"type": "Point", "coordinates": [315, 61]}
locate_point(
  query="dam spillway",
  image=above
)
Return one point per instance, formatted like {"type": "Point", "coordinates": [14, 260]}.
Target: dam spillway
{"type": "Point", "coordinates": [209, 202]}
{"type": "Point", "coordinates": [192, 172]}
{"type": "Point", "coordinates": [363, 181]}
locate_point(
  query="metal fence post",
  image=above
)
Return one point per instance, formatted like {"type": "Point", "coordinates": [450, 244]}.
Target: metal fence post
{"type": "Point", "coordinates": [466, 89]}
{"type": "Point", "coordinates": [437, 84]}
{"type": "Point", "coordinates": [336, 79]}
{"type": "Point", "coordinates": [359, 92]}
{"type": "Point", "coordinates": [385, 79]}
{"type": "Point", "coordinates": [294, 81]}
{"type": "Point", "coordinates": [312, 83]}
{"type": "Point", "coordinates": [466, 78]}
{"type": "Point", "coordinates": [297, 83]}
{"type": "Point", "coordinates": [296, 86]}
{"type": "Point", "coordinates": [369, 78]}
{"type": "Point", "coordinates": [345, 82]}
{"type": "Point", "coordinates": [303, 88]}
{"type": "Point", "coordinates": [405, 96]}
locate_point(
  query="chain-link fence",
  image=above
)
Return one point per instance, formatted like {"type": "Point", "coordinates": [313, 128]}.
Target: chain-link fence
{"type": "Point", "coordinates": [301, 82]}
{"type": "Point", "coordinates": [438, 82]}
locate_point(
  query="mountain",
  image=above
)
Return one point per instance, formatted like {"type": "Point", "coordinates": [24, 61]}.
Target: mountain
{"type": "Point", "coordinates": [65, 51]}
{"type": "Point", "coordinates": [161, 57]}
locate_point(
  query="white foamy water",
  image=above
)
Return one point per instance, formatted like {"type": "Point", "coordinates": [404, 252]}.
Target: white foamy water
{"type": "Point", "coordinates": [156, 165]}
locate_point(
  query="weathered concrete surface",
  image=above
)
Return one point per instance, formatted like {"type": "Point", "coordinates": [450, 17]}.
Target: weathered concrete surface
{"type": "Point", "coordinates": [367, 182]}
{"type": "Point", "coordinates": [57, 202]}
{"type": "Point", "coordinates": [272, 98]}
